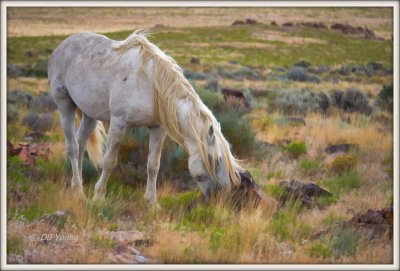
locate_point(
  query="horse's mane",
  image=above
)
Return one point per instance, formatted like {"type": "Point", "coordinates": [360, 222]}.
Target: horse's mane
{"type": "Point", "coordinates": [169, 87]}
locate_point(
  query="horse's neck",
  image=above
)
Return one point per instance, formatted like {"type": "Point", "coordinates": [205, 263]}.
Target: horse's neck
{"type": "Point", "coordinates": [183, 111]}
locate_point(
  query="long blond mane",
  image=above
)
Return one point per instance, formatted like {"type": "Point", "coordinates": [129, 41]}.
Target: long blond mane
{"type": "Point", "coordinates": [169, 87]}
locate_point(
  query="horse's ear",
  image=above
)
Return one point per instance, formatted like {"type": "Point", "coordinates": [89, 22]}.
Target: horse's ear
{"type": "Point", "coordinates": [211, 137]}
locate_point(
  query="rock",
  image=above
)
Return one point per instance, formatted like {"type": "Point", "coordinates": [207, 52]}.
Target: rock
{"type": "Point", "coordinates": [313, 25]}
{"type": "Point", "coordinates": [28, 152]}
{"type": "Point", "coordinates": [247, 21]}
{"type": "Point", "coordinates": [247, 190]}
{"type": "Point", "coordinates": [124, 236]}
{"type": "Point", "coordinates": [350, 30]}
{"type": "Point", "coordinates": [340, 148]}
{"type": "Point", "coordinates": [194, 60]}
{"type": "Point", "coordinates": [305, 192]}
{"type": "Point", "coordinates": [288, 24]}
{"type": "Point", "coordinates": [232, 93]}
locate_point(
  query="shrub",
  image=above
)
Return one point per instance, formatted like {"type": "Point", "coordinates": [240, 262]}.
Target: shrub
{"type": "Point", "coordinates": [302, 64]}
{"type": "Point", "coordinates": [177, 158]}
{"type": "Point", "coordinates": [39, 122]}
{"type": "Point", "coordinates": [343, 183]}
{"type": "Point", "coordinates": [178, 202]}
{"type": "Point", "coordinates": [12, 113]}
{"type": "Point", "coordinates": [331, 218]}
{"type": "Point", "coordinates": [352, 100]}
{"type": "Point", "coordinates": [292, 102]}
{"type": "Point", "coordinates": [295, 149]}
{"type": "Point", "coordinates": [320, 250]}
{"type": "Point", "coordinates": [343, 163]}
{"type": "Point", "coordinates": [43, 103]}
{"type": "Point", "coordinates": [15, 245]}
{"type": "Point", "coordinates": [286, 224]}
{"type": "Point", "coordinates": [212, 85]}
{"type": "Point", "coordinates": [385, 97]}
{"type": "Point", "coordinates": [263, 123]}
{"type": "Point", "coordinates": [212, 100]}
{"type": "Point", "coordinates": [309, 166]}
{"type": "Point", "coordinates": [345, 243]}
{"type": "Point", "coordinates": [301, 75]}
{"type": "Point", "coordinates": [237, 131]}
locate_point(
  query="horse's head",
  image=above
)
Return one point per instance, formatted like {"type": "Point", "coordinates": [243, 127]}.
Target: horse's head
{"type": "Point", "coordinates": [216, 159]}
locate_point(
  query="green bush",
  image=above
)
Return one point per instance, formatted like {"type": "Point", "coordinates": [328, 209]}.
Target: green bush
{"type": "Point", "coordinates": [212, 100]}
{"type": "Point", "coordinates": [295, 149]}
{"type": "Point", "coordinates": [15, 245]}
{"type": "Point", "coordinates": [343, 163]}
{"type": "Point", "coordinates": [332, 218]}
{"type": "Point", "coordinates": [343, 183]}
{"type": "Point", "coordinates": [309, 166]}
{"type": "Point", "coordinates": [386, 97]}
{"type": "Point", "coordinates": [345, 243]}
{"type": "Point", "coordinates": [237, 131]}
{"type": "Point", "coordinates": [320, 250]}
{"type": "Point", "coordinates": [178, 202]}
{"type": "Point", "coordinates": [286, 224]}
{"type": "Point", "coordinates": [177, 158]}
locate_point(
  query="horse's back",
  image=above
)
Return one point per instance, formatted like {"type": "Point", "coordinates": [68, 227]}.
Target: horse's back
{"type": "Point", "coordinates": [99, 80]}
{"type": "Point", "coordinates": [68, 50]}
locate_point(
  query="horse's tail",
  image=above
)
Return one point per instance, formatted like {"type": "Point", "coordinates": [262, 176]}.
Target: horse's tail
{"type": "Point", "coordinates": [96, 142]}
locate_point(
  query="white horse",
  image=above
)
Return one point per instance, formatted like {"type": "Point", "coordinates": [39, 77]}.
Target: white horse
{"type": "Point", "coordinates": [133, 83]}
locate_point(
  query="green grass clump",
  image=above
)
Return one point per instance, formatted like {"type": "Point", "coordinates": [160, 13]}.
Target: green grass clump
{"type": "Point", "coordinates": [345, 243]}
{"type": "Point", "coordinates": [309, 166]}
{"type": "Point", "coordinates": [286, 224]}
{"type": "Point", "coordinates": [32, 212]}
{"type": "Point", "coordinates": [263, 123]}
{"type": "Point", "coordinates": [198, 219]}
{"type": "Point", "coordinates": [103, 242]}
{"type": "Point", "coordinates": [211, 99]}
{"type": "Point", "coordinates": [343, 163]}
{"type": "Point", "coordinates": [178, 202]}
{"type": "Point", "coordinates": [176, 158]}
{"type": "Point", "coordinates": [237, 131]}
{"type": "Point", "coordinates": [320, 250]}
{"type": "Point", "coordinates": [296, 149]}
{"type": "Point", "coordinates": [332, 218]}
{"type": "Point", "coordinates": [343, 183]}
{"type": "Point", "coordinates": [274, 190]}
{"type": "Point", "coordinates": [275, 174]}
{"type": "Point", "coordinates": [15, 245]}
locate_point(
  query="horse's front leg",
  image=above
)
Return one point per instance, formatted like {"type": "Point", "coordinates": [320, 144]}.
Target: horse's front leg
{"type": "Point", "coordinates": [116, 132]}
{"type": "Point", "coordinates": [157, 137]}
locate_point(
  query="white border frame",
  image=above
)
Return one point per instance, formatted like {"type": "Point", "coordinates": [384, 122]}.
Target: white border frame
{"type": "Point", "coordinates": [393, 4]}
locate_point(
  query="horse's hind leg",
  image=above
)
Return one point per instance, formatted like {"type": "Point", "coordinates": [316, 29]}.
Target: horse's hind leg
{"type": "Point", "coordinates": [115, 134]}
{"type": "Point", "coordinates": [86, 128]}
{"type": "Point", "coordinates": [67, 115]}
{"type": "Point", "coordinates": [157, 137]}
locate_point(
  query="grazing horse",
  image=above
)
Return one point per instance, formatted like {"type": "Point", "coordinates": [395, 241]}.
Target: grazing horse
{"type": "Point", "coordinates": [132, 83]}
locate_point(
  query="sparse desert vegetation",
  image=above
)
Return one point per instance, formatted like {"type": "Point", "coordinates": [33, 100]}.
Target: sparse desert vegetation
{"type": "Point", "coordinates": [316, 107]}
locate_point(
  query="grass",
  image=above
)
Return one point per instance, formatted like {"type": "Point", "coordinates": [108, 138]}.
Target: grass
{"type": "Point", "coordinates": [296, 149]}
{"type": "Point", "coordinates": [343, 183]}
